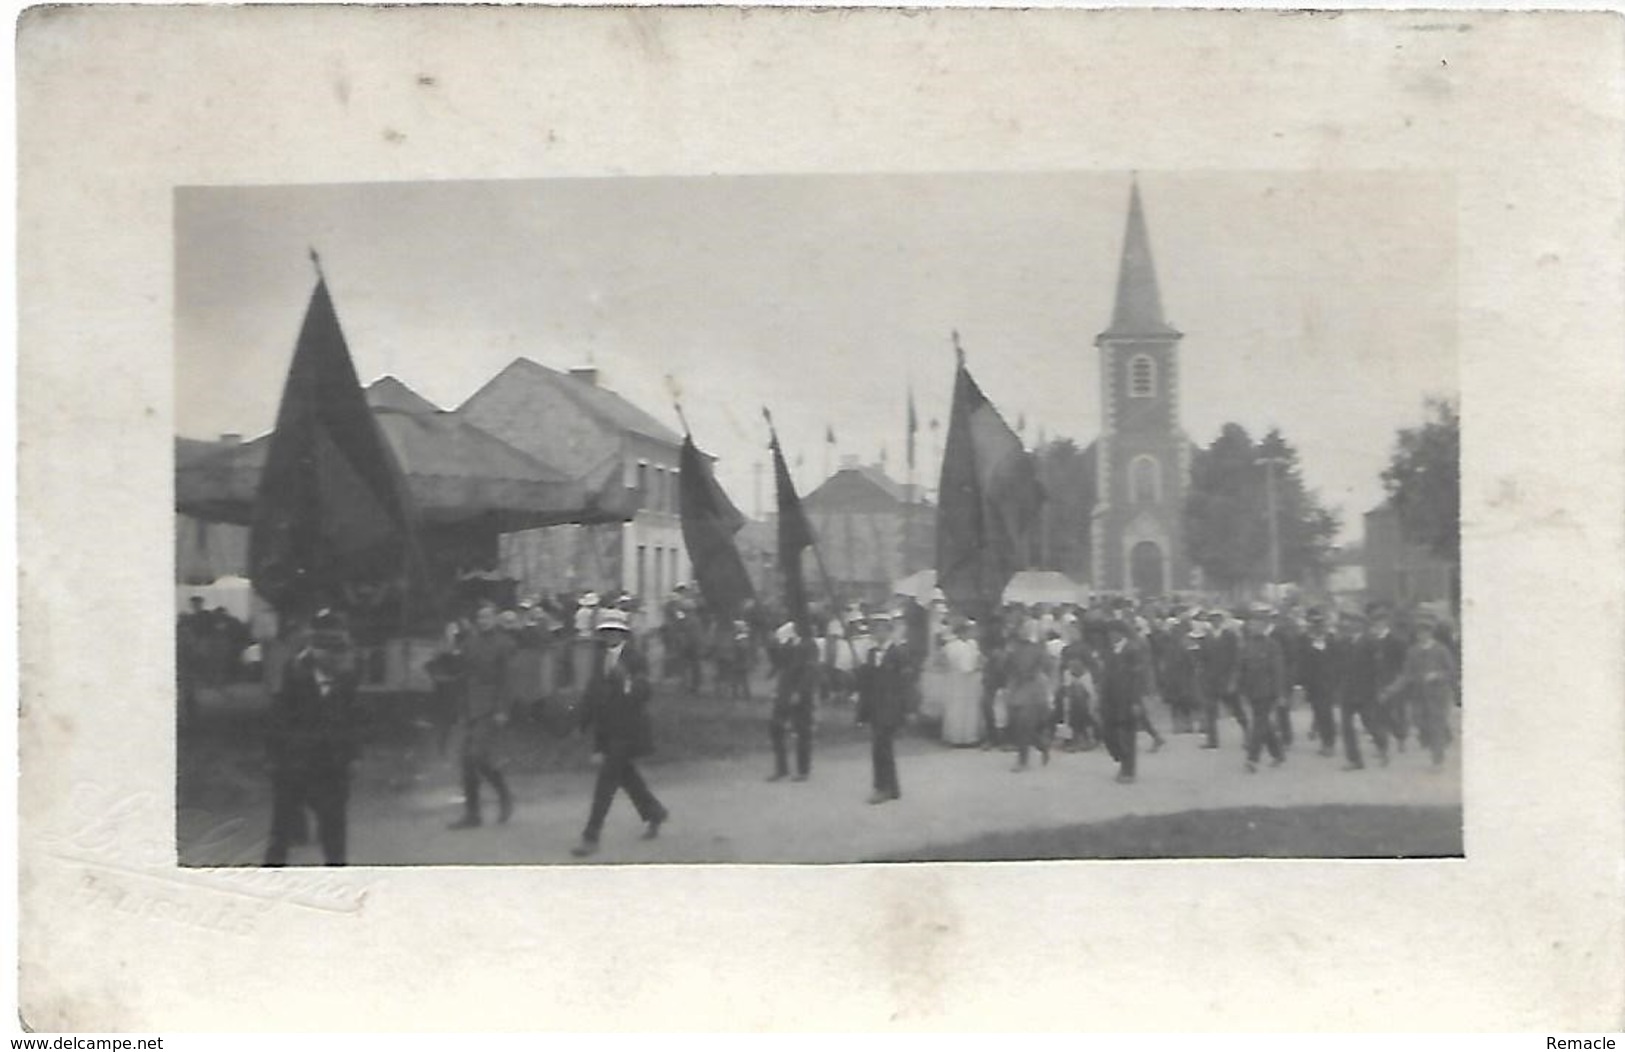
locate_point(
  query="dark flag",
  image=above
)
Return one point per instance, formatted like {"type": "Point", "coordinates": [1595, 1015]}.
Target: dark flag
{"type": "Point", "coordinates": [988, 501]}
{"type": "Point", "coordinates": [333, 519]}
{"type": "Point", "coordinates": [795, 537]}
{"type": "Point", "coordinates": [710, 521]}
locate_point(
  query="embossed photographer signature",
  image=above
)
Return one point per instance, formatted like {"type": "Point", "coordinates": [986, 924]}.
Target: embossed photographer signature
{"type": "Point", "coordinates": [110, 829]}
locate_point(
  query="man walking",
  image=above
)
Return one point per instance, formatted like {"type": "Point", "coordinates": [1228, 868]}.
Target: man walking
{"type": "Point", "coordinates": [795, 664]}
{"type": "Point", "coordinates": [1430, 673]}
{"type": "Point", "coordinates": [1359, 689]}
{"type": "Point", "coordinates": [1390, 658]}
{"type": "Point", "coordinates": [1121, 697]}
{"type": "Point", "coordinates": [314, 737]}
{"type": "Point", "coordinates": [1219, 654]}
{"type": "Point", "coordinates": [486, 653]}
{"type": "Point", "coordinates": [615, 708]}
{"type": "Point", "coordinates": [882, 685]}
{"type": "Point", "coordinates": [1317, 669]}
{"type": "Point", "coordinates": [1260, 678]}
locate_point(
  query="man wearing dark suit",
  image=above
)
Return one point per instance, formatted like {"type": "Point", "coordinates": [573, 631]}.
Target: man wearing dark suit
{"type": "Point", "coordinates": [486, 653]}
{"type": "Point", "coordinates": [1317, 666]}
{"type": "Point", "coordinates": [1391, 648]}
{"type": "Point", "coordinates": [1360, 689]}
{"type": "Point", "coordinates": [795, 664]}
{"type": "Point", "coordinates": [1260, 678]}
{"type": "Point", "coordinates": [1219, 653]}
{"type": "Point", "coordinates": [1122, 693]}
{"type": "Point", "coordinates": [314, 736]}
{"type": "Point", "coordinates": [882, 696]}
{"type": "Point", "coordinates": [615, 708]}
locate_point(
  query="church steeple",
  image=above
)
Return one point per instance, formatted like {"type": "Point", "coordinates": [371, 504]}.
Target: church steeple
{"type": "Point", "coordinates": [1138, 310]}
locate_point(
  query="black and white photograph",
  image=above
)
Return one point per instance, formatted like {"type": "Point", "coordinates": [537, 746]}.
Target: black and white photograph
{"type": "Point", "coordinates": [713, 519]}
{"type": "Point", "coordinates": [1115, 515]}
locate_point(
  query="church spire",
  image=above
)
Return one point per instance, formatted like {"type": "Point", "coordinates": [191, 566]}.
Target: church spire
{"type": "Point", "coordinates": [1138, 310]}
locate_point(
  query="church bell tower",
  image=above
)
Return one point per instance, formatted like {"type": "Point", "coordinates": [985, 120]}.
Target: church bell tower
{"type": "Point", "coordinates": [1143, 456]}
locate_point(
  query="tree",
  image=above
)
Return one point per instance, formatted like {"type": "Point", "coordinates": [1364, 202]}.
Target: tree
{"type": "Point", "coordinates": [1227, 527]}
{"type": "Point", "coordinates": [1423, 480]}
{"type": "Point", "coordinates": [1067, 474]}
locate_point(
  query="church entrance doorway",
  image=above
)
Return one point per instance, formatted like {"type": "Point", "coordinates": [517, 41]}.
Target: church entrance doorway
{"type": "Point", "coordinates": [1145, 569]}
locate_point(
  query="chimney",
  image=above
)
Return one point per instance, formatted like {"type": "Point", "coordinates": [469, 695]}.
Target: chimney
{"type": "Point", "coordinates": [586, 374]}
{"type": "Point", "coordinates": [231, 438]}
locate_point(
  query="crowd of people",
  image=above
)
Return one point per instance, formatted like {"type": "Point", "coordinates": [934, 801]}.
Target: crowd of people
{"type": "Point", "coordinates": [1033, 680]}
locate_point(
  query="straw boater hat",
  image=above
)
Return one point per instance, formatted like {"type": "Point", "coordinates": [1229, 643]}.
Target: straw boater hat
{"type": "Point", "coordinates": [590, 599]}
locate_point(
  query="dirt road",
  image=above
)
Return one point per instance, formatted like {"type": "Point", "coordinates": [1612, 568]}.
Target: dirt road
{"type": "Point", "coordinates": [724, 811]}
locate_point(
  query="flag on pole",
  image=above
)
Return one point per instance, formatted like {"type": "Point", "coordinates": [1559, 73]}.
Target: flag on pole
{"type": "Point", "coordinates": [795, 537]}
{"type": "Point", "coordinates": [333, 510]}
{"type": "Point", "coordinates": [913, 426]}
{"type": "Point", "coordinates": [988, 501]}
{"type": "Point", "coordinates": [709, 521]}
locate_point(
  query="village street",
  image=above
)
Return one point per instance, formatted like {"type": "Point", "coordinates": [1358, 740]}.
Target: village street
{"type": "Point", "coordinates": [725, 811]}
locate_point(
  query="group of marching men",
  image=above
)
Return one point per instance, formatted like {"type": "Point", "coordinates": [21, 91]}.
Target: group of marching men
{"type": "Point", "coordinates": [1088, 677]}
{"type": "Point", "coordinates": [1084, 677]}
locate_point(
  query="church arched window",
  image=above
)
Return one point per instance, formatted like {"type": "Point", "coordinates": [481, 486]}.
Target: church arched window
{"type": "Point", "coordinates": [1145, 480]}
{"type": "Point", "coordinates": [1142, 377]}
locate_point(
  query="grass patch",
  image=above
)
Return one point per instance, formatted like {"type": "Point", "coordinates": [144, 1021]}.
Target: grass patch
{"type": "Point", "coordinates": [1330, 831]}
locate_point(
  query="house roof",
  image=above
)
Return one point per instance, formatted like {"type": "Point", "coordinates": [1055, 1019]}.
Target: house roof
{"type": "Point", "coordinates": [859, 486]}
{"type": "Point", "coordinates": [456, 473]}
{"type": "Point", "coordinates": [387, 392]}
{"type": "Point", "coordinates": [608, 407]}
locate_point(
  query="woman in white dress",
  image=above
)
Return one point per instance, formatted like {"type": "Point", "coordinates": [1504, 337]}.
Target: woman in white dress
{"type": "Point", "coordinates": [961, 702]}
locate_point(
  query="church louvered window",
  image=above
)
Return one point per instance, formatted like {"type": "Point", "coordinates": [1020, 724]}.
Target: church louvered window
{"type": "Point", "coordinates": [1142, 377]}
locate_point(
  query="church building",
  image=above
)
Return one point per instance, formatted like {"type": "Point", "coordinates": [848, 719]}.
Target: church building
{"type": "Point", "coordinates": [1143, 457]}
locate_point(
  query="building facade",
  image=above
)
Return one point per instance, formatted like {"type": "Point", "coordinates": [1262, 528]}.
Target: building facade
{"type": "Point", "coordinates": [871, 531]}
{"type": "Point", "coordinates": [1400, 571]}
{"type": "Point", "coordinates": [570, 419]}
{"type": "Point", "coordinates": [1142, 457]}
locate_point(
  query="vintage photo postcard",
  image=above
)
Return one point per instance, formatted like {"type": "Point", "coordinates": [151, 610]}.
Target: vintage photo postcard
{"type": "Point", "coordinates": [626, 504]}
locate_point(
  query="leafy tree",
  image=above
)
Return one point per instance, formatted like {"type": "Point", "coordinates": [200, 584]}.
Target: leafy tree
{"type": "Point", "coordinates": [1067, 474]}
{"type": "Point", "coordinates": [1423, 480]}
{"type": "Point", "coordinates": [1227, 528]}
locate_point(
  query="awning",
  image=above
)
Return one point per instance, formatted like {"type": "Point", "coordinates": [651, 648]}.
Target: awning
{"type": "Point", "coordinates": [458, 475]}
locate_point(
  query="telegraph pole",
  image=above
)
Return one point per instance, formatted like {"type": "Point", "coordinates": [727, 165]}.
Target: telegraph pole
{"type": "Point", "coordinates": [1270, 464]}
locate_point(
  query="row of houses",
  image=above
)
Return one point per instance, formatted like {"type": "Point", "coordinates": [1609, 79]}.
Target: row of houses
{"type": "Point", "coordinates": [544, 426]}
{"type": "Point", "coordinates": [534, 425]}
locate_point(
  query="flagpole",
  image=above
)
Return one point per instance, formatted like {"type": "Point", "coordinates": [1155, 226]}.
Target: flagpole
{"type": "Point", "coordinates": [818, 557]}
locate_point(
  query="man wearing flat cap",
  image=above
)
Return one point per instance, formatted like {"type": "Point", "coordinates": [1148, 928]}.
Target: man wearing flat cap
{"type": "Point", "coordinates": [615, 708]}
{"type": "Point", "coordinates": [314, 736]}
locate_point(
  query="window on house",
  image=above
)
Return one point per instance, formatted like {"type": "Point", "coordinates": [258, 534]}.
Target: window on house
{"type": "Point", "coordinates": [643, 484]}
{"type": "Point", "coordinates": [643, 566]}
{"type": "Point", "coordinates": [1145, 480]}
{"type": "Point", "coordinates": [672, 505]}
{"type": "Point", "coordinates": [1142, 377]}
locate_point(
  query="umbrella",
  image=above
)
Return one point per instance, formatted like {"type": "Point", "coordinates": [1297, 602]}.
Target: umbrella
{"type": "Point", "coordinates": [918, 585]}
{"type": "Point", "coordinates": [1044, 586]}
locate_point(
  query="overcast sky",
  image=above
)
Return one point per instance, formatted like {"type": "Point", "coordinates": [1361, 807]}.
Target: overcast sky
{"type": "Point", "coordinates": [1320, 303]}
